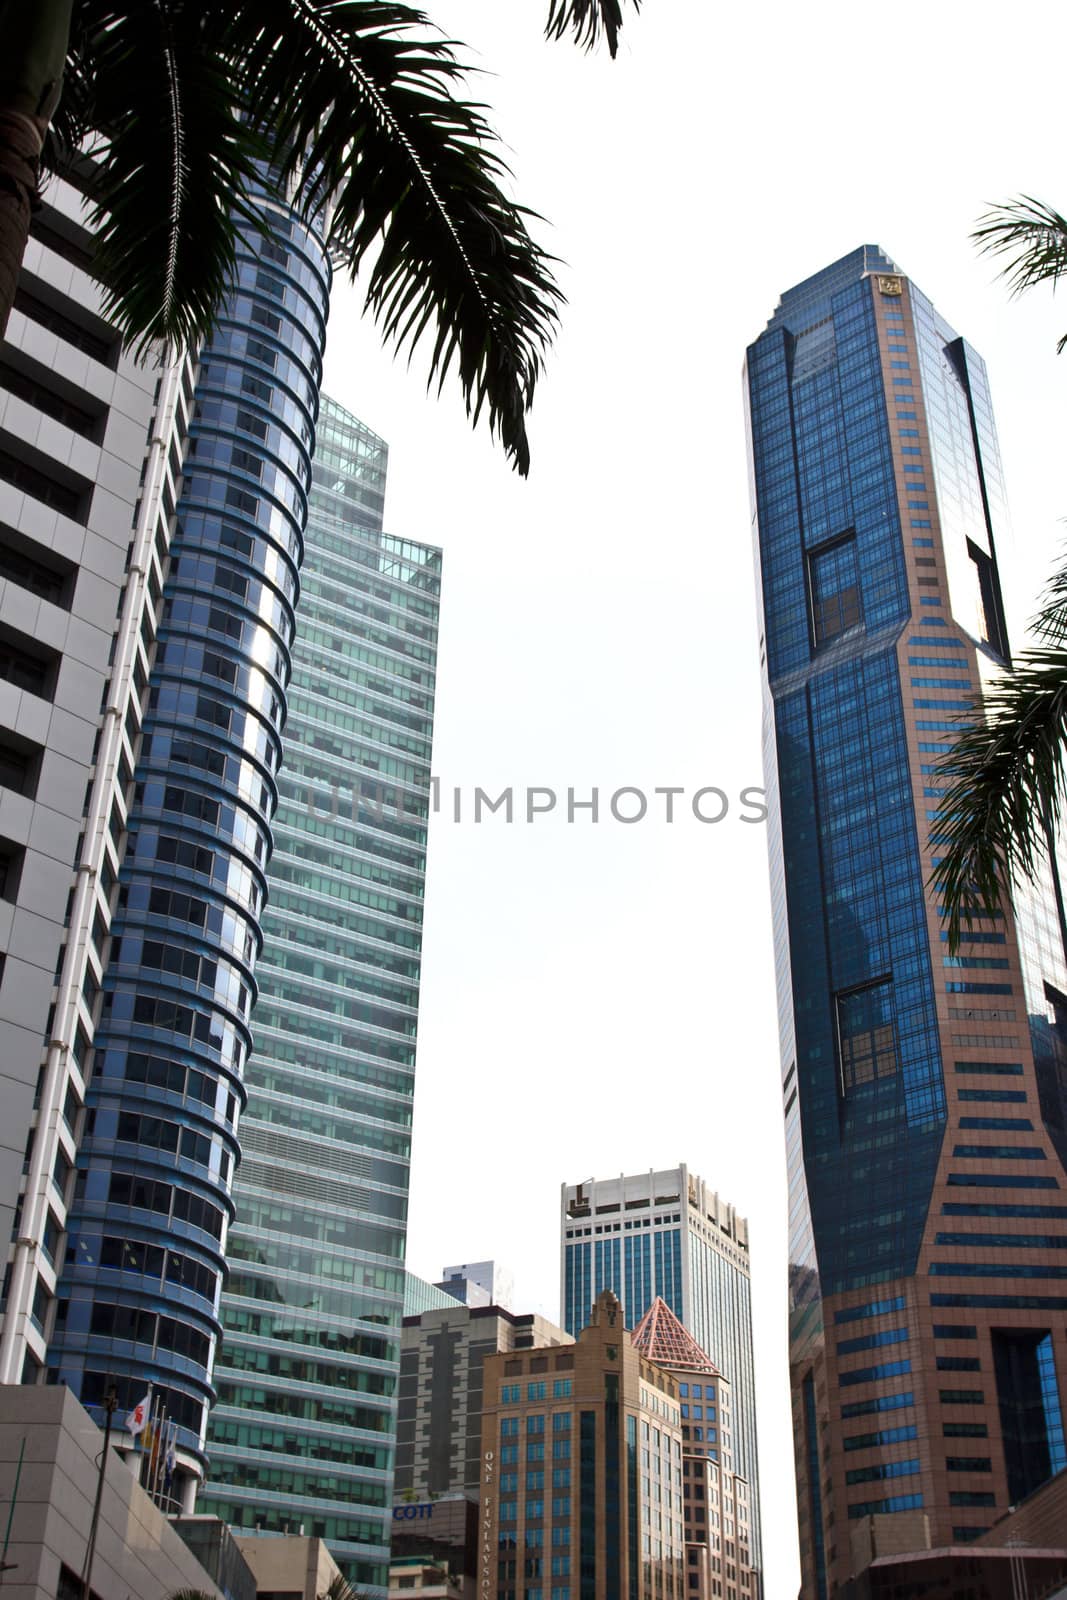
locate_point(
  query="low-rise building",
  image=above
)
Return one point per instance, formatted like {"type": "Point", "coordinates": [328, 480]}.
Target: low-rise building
{"type": "Point", "coordinates": [410, 1575]}
{"type": "Point", "coordinates": [50, 1472]}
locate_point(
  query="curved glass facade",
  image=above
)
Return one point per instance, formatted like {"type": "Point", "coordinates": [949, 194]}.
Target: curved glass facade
{"type": "Point", "coordinates": [140, 1292]}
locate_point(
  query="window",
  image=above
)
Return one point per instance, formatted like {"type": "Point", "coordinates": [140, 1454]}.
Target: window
{"type": "Point", "coordinates": [19, 764]}
{"type": "Point", "coordinates": [10, 869]}
{"type": "Point", "coordinates": [34, 567]}
{"type": "Point", "coordinates": [1029, 1404]}
{"type": "Point", "coordinates": [26, 664]}
{"type": "Point", "coordinates": [866, 1037]}
{"type": "Point", "coordinates": [834, 585]}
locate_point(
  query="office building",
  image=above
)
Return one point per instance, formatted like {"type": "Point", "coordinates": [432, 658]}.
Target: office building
{"type": "Point", "coordinates": [480, 1283]}
{"type": "Point", "coordinates": [716, 1499]}
{"type": "Point", "coordinates": [90, 463]}
{"type": "Point", "coordinates": [667, 1234]}
{"type": "Point", "coordinates": [928, 1351]}
{"type": "Point", "coordinates": [581, 1472]}
{"type": "Point", "coordinates": [443, 1531]}
{"type": "Point", "coordinates": [422, 1296]}
{"type": "Point", "coordinates": [439, 1425]}
{"type": "Point", "coordinates": [139, 1283]}
{"type": "Point", "coordinates": [302, 1437]}
{"type": "Point", "coordinates": [53, 1475]}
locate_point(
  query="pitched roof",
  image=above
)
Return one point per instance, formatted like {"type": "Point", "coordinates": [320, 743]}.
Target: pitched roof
{"type": "Point", "coordinates": [660, 1336]}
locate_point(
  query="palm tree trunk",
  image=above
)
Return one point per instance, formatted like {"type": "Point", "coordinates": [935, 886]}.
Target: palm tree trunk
{"type": "Point", "coordinates": [33, 39]}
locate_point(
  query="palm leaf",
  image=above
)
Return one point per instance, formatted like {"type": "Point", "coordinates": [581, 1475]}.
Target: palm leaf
{"type": "Point", "coordinates": [1034, 239]}
{"type": "Point", "coordinates": [175, 165]}
{"type": "Point", "coordinates": [363, 106]}
{"type": "Point", "coordinates": [587, 19]}
{"type": "Point", "coordinates": [1008, 779]}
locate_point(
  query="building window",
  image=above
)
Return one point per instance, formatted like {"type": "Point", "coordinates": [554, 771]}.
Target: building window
{"type": "Point", "coordinates": [865, 1034]}
{"type": "Point", "coordinates": [833, 581]}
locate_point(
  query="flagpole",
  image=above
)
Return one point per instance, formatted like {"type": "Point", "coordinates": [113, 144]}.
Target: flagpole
{"type": "Point", "coordinates": [140, 1438]}
{"type": "Point", "coordinates": [111, 1401]}
{"type": "Point", "coordinates": [157, 1452]}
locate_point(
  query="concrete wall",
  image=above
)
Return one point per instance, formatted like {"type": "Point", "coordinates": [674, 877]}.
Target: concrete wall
{"type": "Point", "coordinates": [289, 1565]}
{"type": "Point", "coordinates": [138, 1554]}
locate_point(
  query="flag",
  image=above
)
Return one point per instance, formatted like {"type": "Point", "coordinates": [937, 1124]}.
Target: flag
{"type": "Point", "coordinates": [138, 1417]}
{"type": "Point", "coordinates": [168, 1460]}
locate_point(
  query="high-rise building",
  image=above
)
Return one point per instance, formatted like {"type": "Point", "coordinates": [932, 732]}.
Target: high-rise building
{"type": "Point", "coordinates": [439, 1427]}
{"type": "Point", "coordinates": [925, 1150]}
{"type": "Point", "coordinates": [303, 1432]}
{"type": "Point", "coordinates": [716, 1499]}
{"type": "Point", "coordinates": [667, 1234]}
{"type": "Point", "coordinates": [90, 463]}
{"type": "Point", "coordinates": [581, 1473]}
{"type": "Point", "coordinates": [140, 1279]}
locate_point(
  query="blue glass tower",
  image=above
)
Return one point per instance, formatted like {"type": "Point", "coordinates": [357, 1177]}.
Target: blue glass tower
{"type": "Point", "coordinates": [139, 1295]}
{"type": "Point", "coordinates": [926, 1228]}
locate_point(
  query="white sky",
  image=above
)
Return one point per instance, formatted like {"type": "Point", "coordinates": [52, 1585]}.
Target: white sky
{"type": "Point", "coordinates": [599, 999]}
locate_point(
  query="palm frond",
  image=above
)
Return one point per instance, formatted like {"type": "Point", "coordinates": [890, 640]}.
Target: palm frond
{"type": "Point", "coordinates": [365, 114]}
{"type": "Point", "coordinates": [174, 166]}
{"type": "Point", "coordinates": [1033, 237]}
{"type": "Point", "coordinates": [1050, 624]}
{"type": "Point", "coordinates": [1007, 779]}
{"type": "Point", "coordinates": [587, 19]}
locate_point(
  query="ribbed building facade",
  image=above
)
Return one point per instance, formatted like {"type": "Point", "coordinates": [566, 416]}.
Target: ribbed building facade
{"type": "Point", "coordinates": [90, 461]}
{"type": "Point", "coordinates": [924, 1145]}
{"type": "Point", "coordinates": [303, 1436]}
{"type": "Point", "coordinates": [140, 1283]}
{"type": "Point", "coordinates": [666, 1234]}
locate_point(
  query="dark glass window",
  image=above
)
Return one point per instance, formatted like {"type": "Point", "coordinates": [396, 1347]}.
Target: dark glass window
{"type": "Point", "coordinates": [1030, 1416]}
{"type": "Point", "coordinates": [865, 1034]}
{"type": "Point", "coordinates": [835, 594]}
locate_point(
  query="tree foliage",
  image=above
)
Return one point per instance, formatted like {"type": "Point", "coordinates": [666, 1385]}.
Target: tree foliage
{"type": "Point", "coordinates": [359, 110]}
{"type": "Point", "coordinates": [1007, 771]}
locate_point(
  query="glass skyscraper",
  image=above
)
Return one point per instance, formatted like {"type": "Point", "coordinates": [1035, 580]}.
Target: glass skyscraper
{"type": "Point", "coordinates": [927, 1292]}
{"type": "Point", "coordinates": [303, 1434]}
{"type": "Point", "coordinates": [667, 1235]}
{"type": "Point", "coordinates": [138, 1296]}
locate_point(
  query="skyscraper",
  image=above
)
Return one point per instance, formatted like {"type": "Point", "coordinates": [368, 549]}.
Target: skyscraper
{"type": "Point", "coordinates": [667, 1234]}
{"type": "Point", "coordinates": [138, 1295]}
{"type": "Point", "coordinates": [924, 1149]}
{"type": "Point", "coordinates": [90, 463]}
{"type": "Point", "coordinates": [304, 1431]}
